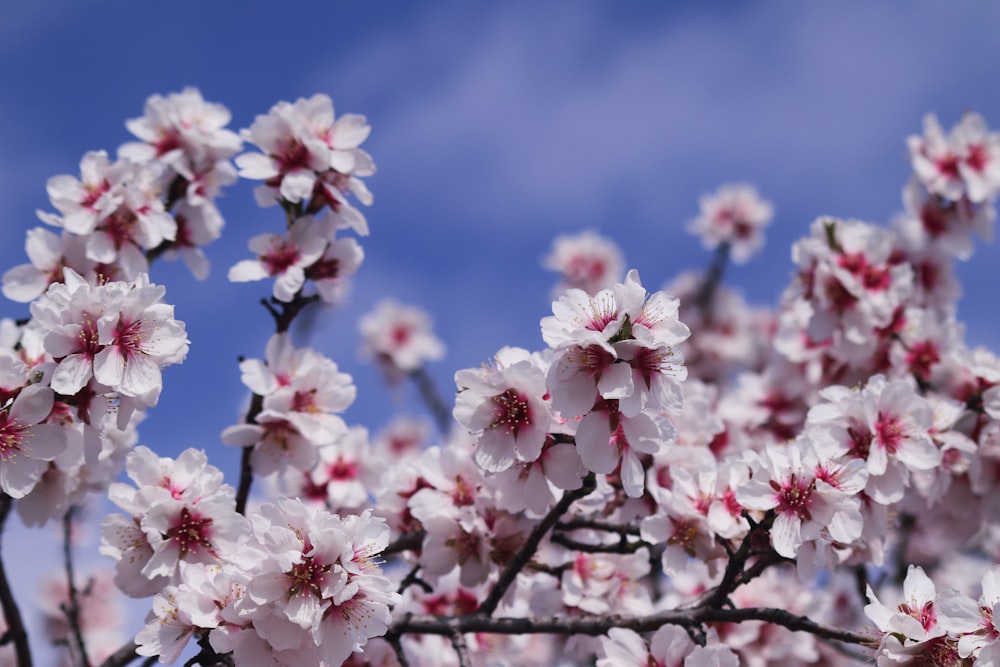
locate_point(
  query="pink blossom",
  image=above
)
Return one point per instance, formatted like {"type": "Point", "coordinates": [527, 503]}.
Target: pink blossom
{"type": "Point", "coordinates": [735, 215]}
{"type": "Point", "coordinates": [585, 261]}
{"type": "Point", "coordinates": [283, 258]}
{"type": "Point", "coordinates": [502, 405]}
{"type": "Point", "coordinates": [811, 498]}
{"type": "Point", "coordinates": [400, 336]}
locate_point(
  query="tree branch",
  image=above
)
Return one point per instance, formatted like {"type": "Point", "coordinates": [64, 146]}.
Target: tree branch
{"type": "Point", "coordinates": [706, 292]}
{"type": "Point", "coordinates": [599, 625]}
{"type": "Point", "coordinates": [246, 470]}
{"type": "Point", "coordinates": [530, 545]}
{"type": "Point", "coordinates": [623, 547]}
{"type": "Point", "coordinates": [122, 656]}
{"type": "Point", "coordinates": [623, 529]}
{"type": "Point", "coordinates": [72, 610]}
{"type": "Point", "coordinates": [15, 625]}
{"type": "Point", "coordinates": [461, 649]}
{"type": "Point", "coordinates": [438, 408]}
{"type": "Point", "coordinates": [735, 574]}
{"type": "Point", "coordinates": [405, 542]}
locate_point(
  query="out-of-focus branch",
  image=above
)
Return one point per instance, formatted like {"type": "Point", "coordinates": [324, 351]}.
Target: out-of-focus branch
{"type": "Point", "coordinates": [428, 392]}
{"type": "Point", "coordinates": [461, 648]}
{"type": "Point", "coordinates": [122, 656]}
{"type": "Point", "coordinates": [72, 609]}
{"type": "Point", "coordinates": [405, 542]}
{"type": "Point", "coordinates": [713, 277]}
{"type": "Point", "coordinates": [397, 648]}
{"type": "Point", "coordinates": [16, 632]}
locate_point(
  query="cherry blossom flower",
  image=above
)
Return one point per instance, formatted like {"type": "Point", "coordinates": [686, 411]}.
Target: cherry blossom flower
{"type": "Point", "coordinates": [607, 439]}
{"type": "Point", "coordinates": [534, 485]}
{"type": "Point", "coordinates": [886, 425]}
{"type": "Point", "coordinates": [319, 585]}
{"type": "Point", "coordinates": [182, 512]}
{"type": "Point", "coordinates": [49, 254]}
{"type": "Point", "coordinates": [930, 222]}
{"type": "Point", "coordinates": [84, 202]}
{"type": "Point", "coordinates": [734, 215]}
{"type": "Point", "coordinates": [670, 646]}
{"type": "Point", "coordinates": [27, 444]}
{"type": "Point", "coordinates": [329, 273]}
{"type": "Point", "coordinates": [119, 334]}
{"type": "Point", "coordinates": [972, 620]}
{"type": "Point", "coordinates": [283, 258]}
{"type": "Point", "coordinates": [585, 261]}
{"type": "Point", "coordinates": [206, 600]}
{"type": "Point", "coordinates": [185, 132]}
{"type": "Point", "coordinates": [810, 496]}
{"type": "Point", "coordinates": [307, 153]}
{"type": "Point", "coordinates": [962, 164]}
{"type": "Point", "coordinates": [601, 583]}
{"type": "Point", "coordinates": [913, 630]}
{"type": "Point", "coordinates": [399, 336]}
{"type": "Point", "coordinates": [502, 405]}
{"type": "Point", "coordinates": [101, 616]}
{"type": "Point", "coordinates": [343, 477]}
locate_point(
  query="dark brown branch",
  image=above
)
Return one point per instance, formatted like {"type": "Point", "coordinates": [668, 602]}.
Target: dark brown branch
{"type": "Point", "coordinates": [623, 529]}
{"type": "Point", "coordinates": [122, 656]}
{"type": "Point", "coordinates": [16, 632]}
{"type": "Point", "coordinates": [734, 574]}
{"type": "Point", "coordinates": [411, 579]}
{"type": "Point", "coordinates": [246, 470]}
{"type": "Point", "coordinates": [72, 610]}
{"type": "Point", "coordinates": [437, 407]}
{"type": "Point", "coordinates": [284, 313]}
{"type": "Point", "coordinates": [461, 649]}
{"type": "Point", "coordinates": [397, 647]}
{"type": "Point", "coordinates": [405, 542]}
{"type": "Point", "coordinates": [599, 625]}
{"type": "Point", "coordinates": [530, 546]}
{"type": "Point", "coordinates": [623, 547]}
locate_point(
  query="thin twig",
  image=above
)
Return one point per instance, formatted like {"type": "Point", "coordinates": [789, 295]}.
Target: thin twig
{"type": "Point", "coordinates": [397, 647]}
{"type": "Point", "coordinates": [530, 545]}
{"type": "Point", "coordinates": [72, 610]}
{"type": "Point", "coordinates": [616, 548]}
{"type": "Point", "coordinates": [411, 579]}
{"type": "Point", "coordinates": [15, 625]}
{"type": "Point", "coordinates": [623, 529]}
{"type": "Point", "coordinates": [246, 469]}
{"type": "Point", "coordinates": [461, 648]}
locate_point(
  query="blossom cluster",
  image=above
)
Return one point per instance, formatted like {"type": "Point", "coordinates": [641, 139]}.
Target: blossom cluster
{"type": "Point", "coordinates": [294, 584]}
{"type": "Point", "coordinates": [702, 476]}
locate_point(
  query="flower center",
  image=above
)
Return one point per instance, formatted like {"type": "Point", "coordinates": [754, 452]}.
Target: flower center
{"type": "Point", "coordinates": [511, 412]}
{"type": "Point", "coordinates": [191, 532]}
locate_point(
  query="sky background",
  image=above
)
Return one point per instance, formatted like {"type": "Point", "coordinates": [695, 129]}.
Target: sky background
{"type": "Point", "coordinates": [496, 127]}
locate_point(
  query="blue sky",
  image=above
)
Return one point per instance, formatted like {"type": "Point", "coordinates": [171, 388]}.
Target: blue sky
{"type": "Point", "coordinates": [496, 127]}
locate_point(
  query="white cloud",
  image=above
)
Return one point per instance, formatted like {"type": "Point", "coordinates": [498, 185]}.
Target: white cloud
{"type": "Point", "coordinates": [551, 113]}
